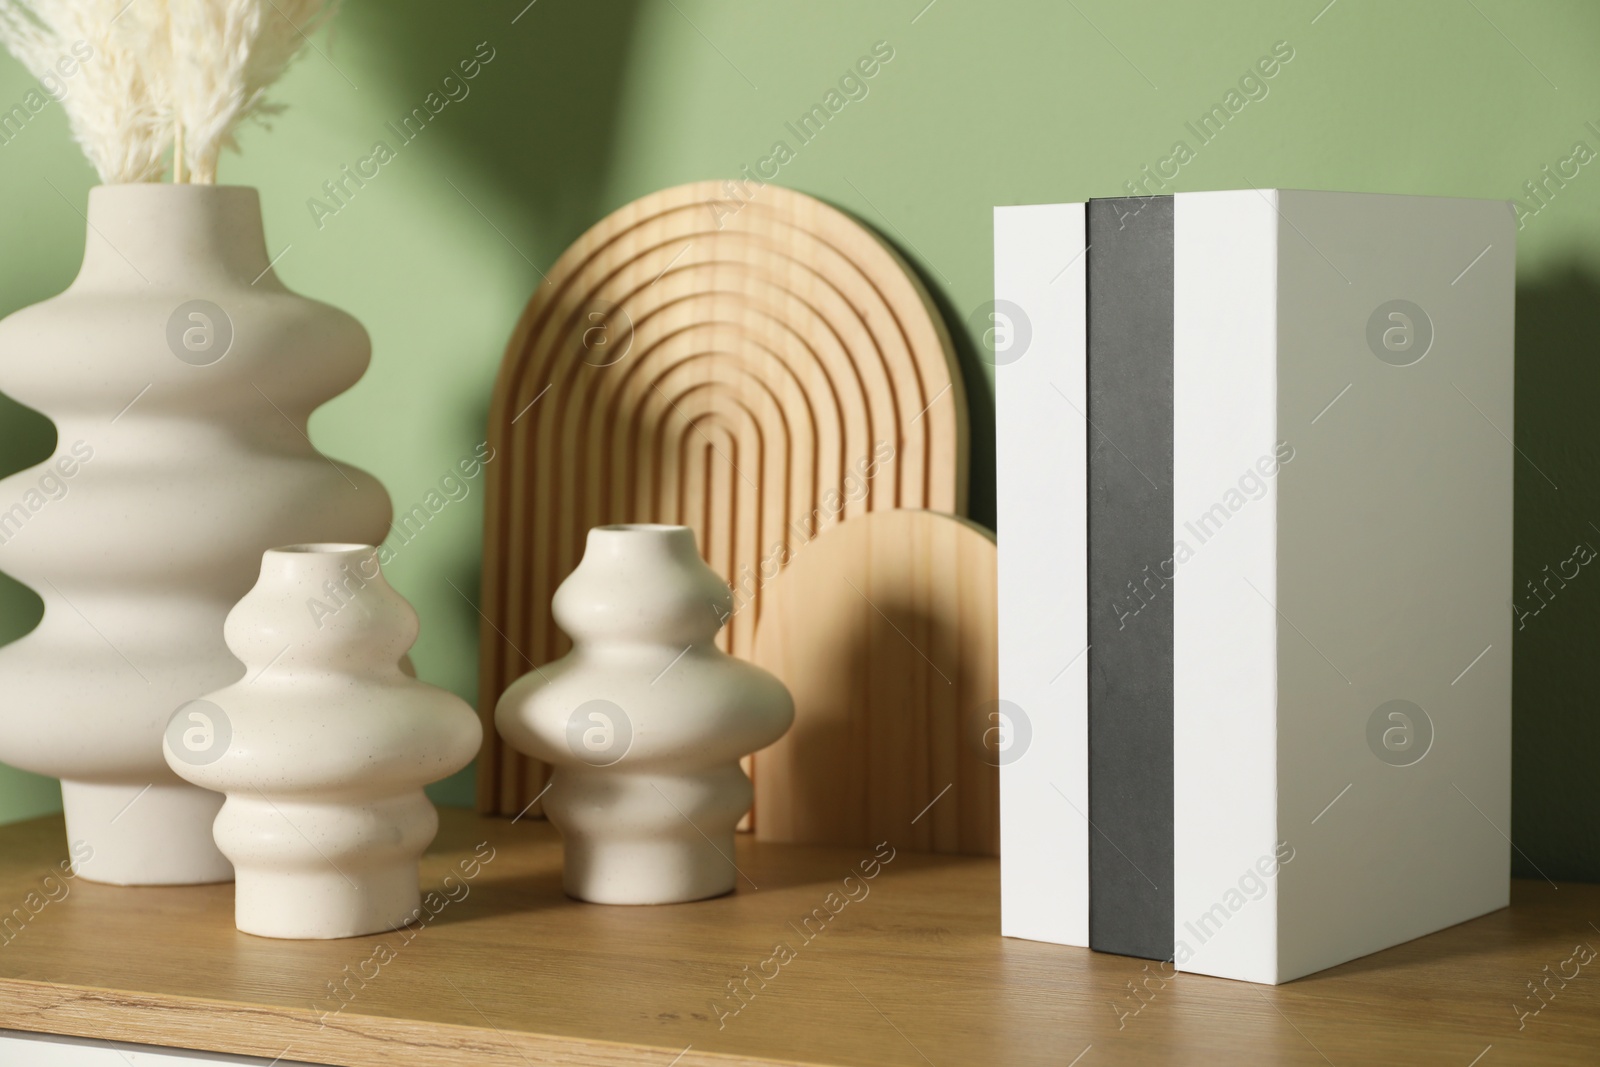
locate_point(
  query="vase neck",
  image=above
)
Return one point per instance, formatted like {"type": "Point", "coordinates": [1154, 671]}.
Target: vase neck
{"type": "Point", "coordinates": [650, 544]}
{"type": "Point", "coordinates": [642, 586]}
{"type": "Point", "coordinates": [174, 235]}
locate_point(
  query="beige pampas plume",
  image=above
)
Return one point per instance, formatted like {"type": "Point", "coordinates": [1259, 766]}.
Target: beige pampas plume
{"type": "Point", "coordinates": [111, 103]}
{"type": "Point", "coordinates": [225, 55]}
{"type": "Point", "coordinates": [161, 73]}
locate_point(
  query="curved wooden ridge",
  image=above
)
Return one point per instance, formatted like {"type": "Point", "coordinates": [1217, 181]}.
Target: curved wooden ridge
{"type": "Point", "coordinates": [743, 360]}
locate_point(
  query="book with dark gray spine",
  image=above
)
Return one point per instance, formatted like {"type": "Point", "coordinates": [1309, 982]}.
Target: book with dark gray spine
{"type": "Point", "coordinates": [1294, 537]}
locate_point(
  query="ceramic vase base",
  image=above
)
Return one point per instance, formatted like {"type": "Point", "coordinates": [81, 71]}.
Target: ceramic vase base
{"type": "Point", "coordinates": [661, 871]}
{"type": "Point", "coordinates": [324, 905]}
{"type": "Point", "coordinates": [143, 835]}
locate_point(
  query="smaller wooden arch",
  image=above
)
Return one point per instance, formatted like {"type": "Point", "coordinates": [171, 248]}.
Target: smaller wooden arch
{"type": "Point", "coordinates": [898, 729]}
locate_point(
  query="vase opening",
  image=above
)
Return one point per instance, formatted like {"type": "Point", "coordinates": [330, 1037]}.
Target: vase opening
{"type": "Point", "coordinates": [643, 540]}
{"type": "Point", "coordinates": [319, 560]}
{"type": "Point", "coordinates": [325, 548]}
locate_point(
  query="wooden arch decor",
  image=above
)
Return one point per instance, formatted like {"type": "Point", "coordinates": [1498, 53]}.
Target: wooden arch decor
{"type": "Point", "coordinates": [897, 719]}
{"type": "Point", "coordinates": [743, 360]}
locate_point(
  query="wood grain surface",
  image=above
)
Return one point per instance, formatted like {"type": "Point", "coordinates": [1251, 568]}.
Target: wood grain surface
{"type": "Point", "coordinates": [744, 360]}
{"type": "Point", "coordinates": [884, 630]}
{"type": "Point", "coordinates": [912, 972]}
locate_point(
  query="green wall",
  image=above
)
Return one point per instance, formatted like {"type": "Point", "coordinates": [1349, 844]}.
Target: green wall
{"type": "Point", "coordinates": [587, 105]}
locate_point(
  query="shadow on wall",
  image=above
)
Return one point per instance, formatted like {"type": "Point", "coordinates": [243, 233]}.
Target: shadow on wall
{"type": "Point", "coordinates": [27, 438]}
{"type": "Point", "coordinates": [981, 501]}
{"type": "Point", "coordinates": [1556, 644]}
{"type": "Point", "coordinates": [541, 124]}
{"type": "Point", "coordinates": [538, 129]}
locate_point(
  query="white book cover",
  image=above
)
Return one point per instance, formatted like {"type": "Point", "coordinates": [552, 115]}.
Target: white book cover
{"type": "Point", "coordinates": [1038, 351]}
{"type": "Point", "coordinates": [1343, 642]}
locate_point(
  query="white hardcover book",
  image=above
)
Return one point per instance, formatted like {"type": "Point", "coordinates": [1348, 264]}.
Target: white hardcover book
{"type": "Point", "coordinates": [1342, 712]}
{"type": "Point", "coordinates": [1038, 351]}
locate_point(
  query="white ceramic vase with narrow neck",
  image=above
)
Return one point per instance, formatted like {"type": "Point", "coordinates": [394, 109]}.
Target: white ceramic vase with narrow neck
{"type": "Point", "coordinates": [645, 721]}
{"type": "Point", "coordinates": [180, 374]}
{"type": "Point", "coordinates": [323, 748]}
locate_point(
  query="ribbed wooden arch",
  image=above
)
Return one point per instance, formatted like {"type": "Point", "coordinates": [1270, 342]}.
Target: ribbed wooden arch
{"type": "Point", "coordinates": [744, 360]}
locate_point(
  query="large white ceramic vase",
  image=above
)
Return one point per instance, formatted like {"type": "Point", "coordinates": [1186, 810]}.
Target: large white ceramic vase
{"type": "Point", "coordinates": [645, 721]}
{"type": "Point", "coordinates": [180, 374]}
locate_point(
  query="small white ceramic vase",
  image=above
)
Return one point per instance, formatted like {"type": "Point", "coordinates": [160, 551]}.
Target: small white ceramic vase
{"type": "Point", "coordinates": [644, 721]}
{"type": "Point", "coordinates": [180, 374]}
{"type": "Point", "coordinates": [323, 748]}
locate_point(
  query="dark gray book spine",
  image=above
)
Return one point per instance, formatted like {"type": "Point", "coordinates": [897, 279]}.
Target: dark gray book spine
{"type": "Point", "coordinates": [1130, 520]}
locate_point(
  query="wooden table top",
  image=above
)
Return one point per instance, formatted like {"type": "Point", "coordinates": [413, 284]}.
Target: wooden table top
{"type": "Point", "coordinates": [907, 968]}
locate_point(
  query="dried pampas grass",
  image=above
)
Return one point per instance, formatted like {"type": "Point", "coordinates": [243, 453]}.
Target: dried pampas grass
{"type": "Point", "coordinates": [179, 74]}
{"type": "Point", "coordinates": [226, 54]}
{"type": "Point", "coordinates": [112, 106]}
